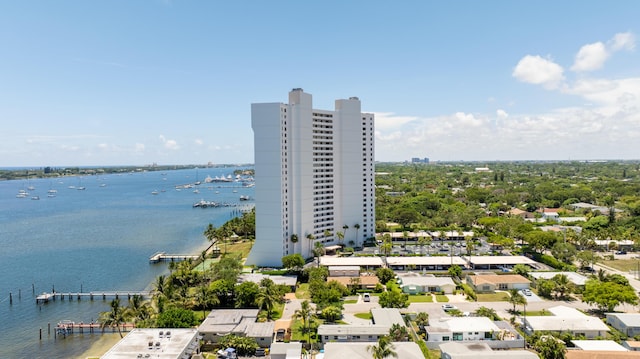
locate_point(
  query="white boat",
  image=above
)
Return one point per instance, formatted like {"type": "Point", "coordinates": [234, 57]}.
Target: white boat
{"type": "Point", "coordinates": [35, 198]}
{"type": "Point", "coordinates": [154, 192]}
{"type": "Point", "coordinates": [244, 198]}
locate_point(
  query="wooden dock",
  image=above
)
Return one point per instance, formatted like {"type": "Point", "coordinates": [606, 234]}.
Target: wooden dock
{"type": "Point", "coordinates": [67, 327]}
{"type": "Point", "coordinates": [164, 257]}
{"type": "Point", "coordinates": [46, 297]}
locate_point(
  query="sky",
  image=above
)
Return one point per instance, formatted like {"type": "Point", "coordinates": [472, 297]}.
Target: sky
{"type": "Point", "coordinates": [120, 82]}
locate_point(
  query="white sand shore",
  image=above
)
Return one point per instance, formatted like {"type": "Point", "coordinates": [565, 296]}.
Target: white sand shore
{"type": "Point", "coordinates": [101, 346]}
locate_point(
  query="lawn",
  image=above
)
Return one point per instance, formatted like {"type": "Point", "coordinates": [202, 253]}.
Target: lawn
{"type": "Point", "coordinates": [366, 315]}
{"type": "Point", "coordinates": [302, 292]}
{"type": "Point", "coordinates": [538, 313]}
{"type": "Point", "coordinates": [420, 298]}
{"type": "Point", "coordinates": [241, 247]}
{"type": "Point", "coordinates": [441, 298]}
{"type": "Point", "coordinates": [624, 265]}
{"type": "Point", "coordinates": [350, 301]}
{"type": "Point", "coordinates": [493, 297]}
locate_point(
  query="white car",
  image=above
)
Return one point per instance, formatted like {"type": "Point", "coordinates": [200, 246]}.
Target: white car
{"type": "Point", "coordinates": [526, 292]}
{"type": "Point", "coordinates": [448, 307]}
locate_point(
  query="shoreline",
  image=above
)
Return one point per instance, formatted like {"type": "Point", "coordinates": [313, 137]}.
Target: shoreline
{"type": "Point", "coordinates": [106, 341]}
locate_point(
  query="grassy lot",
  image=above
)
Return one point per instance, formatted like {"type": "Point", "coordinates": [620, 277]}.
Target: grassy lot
{"type": "Point", "coordinates": [441, 298]}
{"type": "Point", "coordinates": [350, 301]}
{"type": "Point", "coordinates": [240, 247]}
{"type": "Point", "coordinates": [366, 315]}
{"type": "Point", "coordinates": [302, 292]}
{"type": "Point", "coordinates": [493, 297]}
{"type": "Point", "coordinates": [539, 313]}
{"type": "Point", "coordinates": [624, 265]}
{"type": "Point", "coordinates": [420, 299]}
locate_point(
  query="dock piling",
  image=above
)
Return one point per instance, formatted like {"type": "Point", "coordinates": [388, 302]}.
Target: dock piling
{"type": "Point", "coordinates": [48, 329]}
{"type": "Point", "coordinates": [40, 333]}
{"type": "Point", "coordinates": [10, 298]}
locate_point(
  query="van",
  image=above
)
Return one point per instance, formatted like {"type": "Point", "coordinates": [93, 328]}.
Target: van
{"type": "Point", "coordinates": [366, 297]}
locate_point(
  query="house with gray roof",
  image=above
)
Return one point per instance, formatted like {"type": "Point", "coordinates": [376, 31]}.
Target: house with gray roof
{"type": "Point", "coordinates": [567, 319]}
{"type": "Point", "coordinates": [414, 283]}
{"type": "Point", "coordinates": [240, 322]}
{"type": "Point", "coordinates": [628, 323]}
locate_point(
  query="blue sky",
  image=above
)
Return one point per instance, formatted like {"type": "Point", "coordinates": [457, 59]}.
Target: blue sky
{"type": "Point", "coordinates": [123, 82]}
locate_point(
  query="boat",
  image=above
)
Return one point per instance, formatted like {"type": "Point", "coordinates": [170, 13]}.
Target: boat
{"type": "Point", "coordinates": [35, 198]}
{"type": "Point", "coordinates": [244, 198]}
{"type": "Point", "coordinates": [154, 192]}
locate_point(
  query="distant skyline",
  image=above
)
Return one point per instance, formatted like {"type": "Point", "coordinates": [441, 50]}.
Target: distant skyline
{"type": "Point", "coordinates": [106, 83]}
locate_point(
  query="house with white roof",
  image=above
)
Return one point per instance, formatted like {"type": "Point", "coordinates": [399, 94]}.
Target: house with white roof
{"type": "Point", "coordinates": [575, 278]}
{"type": "Point", "coordinates": [328, 333]}
{"type": "Point", "coordinates": [496, 334]}
{"type": "Point", "coordinates": [414, 283]}
{"type": "Point", "coordinates": [157, 342]}
{"type": "Point", "coordinates": [362, 262]}
{"type": "Point", "coordinates": [386, 317]}
{"type": "Point", "coordinates": [603, 345]}
{"type": "Point", "coordinates": [627, 323]}
{"type": "Point", "coordinates": [462, 350]}
{"type": "Point", "coordinates": [499, 262]}
{"type": "Point", "coordinates": [405, 350]}
{"type": "Point", "coordinates": [566, 319]}
{"type": "Point", "coordinates": [424, 263]}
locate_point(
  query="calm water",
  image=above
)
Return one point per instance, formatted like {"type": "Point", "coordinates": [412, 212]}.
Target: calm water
{"type": "Point", "coordinates": [95, 239]}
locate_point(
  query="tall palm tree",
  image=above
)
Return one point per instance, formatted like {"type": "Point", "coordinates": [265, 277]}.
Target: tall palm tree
{"type": "Point", "coordinates": [344, 229]}
{"type": "Point", "coordinates": [327, 233]}
{"type": "Point", "coordinates": [267, 299]}
{"type": "Point", "coordinates": [340, 236]}
{"type": "Point", "coordinates": [307, 315]}
{"type": "Point", "coordinates": [422, 320]}
{"type": "Point", "coordinates": [311, 238]}
{"type": "Point", "coordinates": [113, 318]}
{"type": "Point", "coordinates": [318, 251]}
{"type": "Point", "coordinates": [138, 309]}
{"type": "Point", "coordinates": [515, 298]}
{"type": "Point", "coordinates": [210, 233]}
{"type": "Point", "coordinates": [398, 333]}
{"type": "Point", "coordinates": [384, 348]}
{"type": "Point", "coordinates": [357, 227]}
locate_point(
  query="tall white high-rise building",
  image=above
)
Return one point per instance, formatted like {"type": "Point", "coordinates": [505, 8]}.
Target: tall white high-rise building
{"type": "Point", "coordinates": [314, 172]}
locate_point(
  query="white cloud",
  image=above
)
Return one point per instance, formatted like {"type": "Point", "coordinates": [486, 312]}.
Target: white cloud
{"type": "Point", "coordinates": [198, 141]}
{"type": "Point", "coordinates": [622, 41]}
{"type": "Point", "coordinates": [169, 144]}
{"type": "Point", "coordinates": [539, 71]}
{"type": "Point", "coordinates": [502, 114]}
{"type": "Point", "coordinates": [139, 147]}
{"type": "Point", "coordinates": [590, 57]}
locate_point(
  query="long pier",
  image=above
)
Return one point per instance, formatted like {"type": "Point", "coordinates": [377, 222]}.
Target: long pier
{"type": "Point", "coordinates": [164, 257]}
{"type": "Point", "coordinates": [67, 327]}
{"type": "Point", "coordinates": [46, 297]}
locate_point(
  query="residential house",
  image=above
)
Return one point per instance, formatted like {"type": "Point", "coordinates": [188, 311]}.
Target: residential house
{"type": "Point", "coordinates": [288, 280]}
{"type": "Point", "coordinates": [240, 322]}
{"type": "Point", "coordinates": [414, 283]}
{"type": "Point", "coordinates": [350, 333]}
{"type": "Point", "coordinates": [566, 319]}
{"type": "Point", "coordinates": [499, 262]}
{"type": "Point", "coordinates": [627, 323]}
{"type": "Point", "coordinates": [438, 263]}
{"type": "Point", "coordinates": [496, 334]}
{"type": "Point", "coordinates": [281, 350]}
{"type": "Point", "coordinates": [363, 282]}
{"type": "Point", "coordinates": [404, 350]}
{"type": "Point", "coordinates": [475, 350]}
{"type": "Point", "coordinates": [602, 345]}
{"type": "Point", "coordinates": [573, 277]}
{"type": "Point", "coordinates": [488, 283]}
{"type": "Point", "coordinates": [344, 271]}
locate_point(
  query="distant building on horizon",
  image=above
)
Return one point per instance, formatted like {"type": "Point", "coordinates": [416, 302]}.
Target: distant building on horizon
{"type": "Point", "coordinates": [314, 172]}
{"type": "Point", "coordinates": [420, 160]}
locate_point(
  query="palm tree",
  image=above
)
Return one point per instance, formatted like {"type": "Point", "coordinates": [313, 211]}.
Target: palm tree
{"type": "Point", "coordinates": [487, 312]}
{"type": "Point", "coordinates": [398, 333]}
{"type": "Point", "coordinates": [562, 285]}
{"type": "Point", "coordinates": [138, 309]}
{"type": "Point", "coordinates": [267, 299]}
{"type": "Point", "coordinates": [422, 320]}
{"type": "Point", "coordinates": [113, 318]}
{"type": "Point", "coordinates": [357, 227]}
{"type": "Point", "coordinates": [310, 237]}
{"type": "Point", "coordinates": [294, 238]}
{"type": "Point", "coordinates": [307, 315]}
{"type": "Point", "coordinates": [515, 298]}
{"type": "Point", "coordinates": [423, 241]}
{"type": "Point", "coordinates": [318, 251]}
{"type": "Point", "coordinates": [210, 233]}
{"type": "Point", "coordinates": [384, 348]}
{"type": "Point", "coordinates": [344, 229]}
{"type": "Point", "coordinates": [327, 233]}
{"type": "Point", "coordinates": [340, 236]}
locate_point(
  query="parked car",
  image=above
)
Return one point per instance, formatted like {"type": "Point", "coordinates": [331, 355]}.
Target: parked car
{"type": "Point", "coordinates": [526, 292]}
{"type": "Point", "coordinates": [448, 307]}
{"type": "Point", "coordinates": [366, 297]}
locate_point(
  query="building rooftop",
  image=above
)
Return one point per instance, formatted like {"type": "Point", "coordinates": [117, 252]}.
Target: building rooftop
{"type": "Point", "coordinates": [628, 319]}
{"type": "Point", "coordinates": [405, 350]}
{"type": "Point", "coordinates": [601, 354]}
{"type": "Point", "coordinates": [497, 279]}
{"type": "Point", "coordinates": [352, 329]}
{"type": "Point", "coordinates": [608, 345]}
{"type": "Point", "coordinates": [566, 319]}
{"type": "Point", "coordinates": [423, 260]}
{"type": "Point", "coordinates": [351, 261]}
{"type": "Point", "coordinates": [226, 321]}
{"type": "Point", "coordinates": [177, 344]}
{"type": "Point", "coordinates": [457, 350]}
{"type": "Point", "coordinates": [387, 316]}
{"type": "Point", "coordinates": [425, 280]}
{"type": "Point", "coordinates": [575, 278]}
{"type": "Point", "coordinates": [498, 260]}
{"type": "Point", "coordinates": [366, 280]}
{"type": "Point", "coordinates": [462, 324]}
{"type": "Point", "coordinates": [289, 280]}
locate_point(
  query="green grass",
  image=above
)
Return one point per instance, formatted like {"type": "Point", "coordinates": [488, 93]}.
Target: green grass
{"type": "Point", "coordinates": [493, 297]}
{"type": "Point", "coordinates": [539, 313]}
{"type": "Point", "coordinates": [302, 292]}
{"type": "Point", "coordinates": [420, 298]}
{"type": "Point", "coordinates": [441, 298]}
{"type": "Point", "coordinates": [624, 265]}
{"type": "Point", "coordinates": [350, 301]}
{"type": "Point", "coordinates": [366, 315]}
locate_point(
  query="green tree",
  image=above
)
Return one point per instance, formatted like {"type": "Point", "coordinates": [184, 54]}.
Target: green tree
{"type": "Point", "coordinates": [455, 271]}
{"type": "Point", "coordinates": [548, 347]}
{"type": "Point", "coordinates": [176, 318]}
{"type": "Point", "coordinates": [487, 312]}
{"type": "Point", "coordinates": [562, 285]}
{"type": "Point", "coordinates": [294, 238]}
{"type": "Point", "coordinates": [113, 318]}
{"type": "Point", "coordinates": [246, 294]}
{"type": "Point", "coordinates": [422, 320]}
{"type": "Point", "coordinates": [383, 349]}
{"type": "Point", "coordinates": [311, 238]}
{"type": "Point", "coordinates": [515, 298]}
{"type": "Point", "coordinates": [138, 310]}
{"type": "Point", "coordinates": [385, 274]}
{"type": "Point", "coordinates": [607, 295]}
{"type": "Point", "coordinates": [398, 333]}
{"type": "Point", "coordinates": [266, 299]}
{"type": "Point", "coordinates": [331, 314]}
{"type": "Point", "coordinates": [307, 315]}
{"type": "Point", "coordinates": [393, 299]}
{"type": "Point", "coordinates": [293, 262]}
{"type": "Point", "coordinates": [357, 227]}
